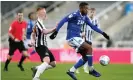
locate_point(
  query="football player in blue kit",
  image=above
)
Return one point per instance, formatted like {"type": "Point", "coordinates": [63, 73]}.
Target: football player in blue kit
{"type": "Point", "coordinates": [87, 32]}
{"type": "Point", "coordinates": [75, 21]}
{"type": "Point", "coordinates": [30, 26]}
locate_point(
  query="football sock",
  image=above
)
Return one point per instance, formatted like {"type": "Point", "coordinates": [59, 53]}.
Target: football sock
{"type": "Point", "coordinates": [41, 69]}
{"type": "Point", "coordinates": [22, 60]}
{"type": "Point", "coordinates": [85, 66]}
{"type": "Point", "coordinates": [77, 65]}
{"type": "Point", "coordinates": [90, 61]}
{"type": "Point", "coordinates": [7, 62]}
{"type": "Point", "coordinates": [49, 67]}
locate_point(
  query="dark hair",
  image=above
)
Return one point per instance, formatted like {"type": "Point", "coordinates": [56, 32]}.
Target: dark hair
{"type": "Point", "coordinates": [39, 8]}
{"type": "Point", "coordinates": [93, 9]}
{"type": "Point", "coordinates": [20, 11]}
{"type": "Point", "coordinates": [83, 4]}
{"type": "Point", "coordinates": [29, 15]}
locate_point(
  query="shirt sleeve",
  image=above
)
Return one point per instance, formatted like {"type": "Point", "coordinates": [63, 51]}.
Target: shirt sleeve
{"type": "Point", "coordinates": [12, 27]}
{"type": "Point", "coordinates": [94, 27]}
{"type": "Point", "coordinates": [65, 19]}
{"type": "Point", "coordinates": [25, 25]}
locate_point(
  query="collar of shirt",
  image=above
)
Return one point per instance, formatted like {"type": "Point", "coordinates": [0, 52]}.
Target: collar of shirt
{"type": "Point", "coordinates": [40, 20]}
{"type": "Point", "coordinates": [19, 22]}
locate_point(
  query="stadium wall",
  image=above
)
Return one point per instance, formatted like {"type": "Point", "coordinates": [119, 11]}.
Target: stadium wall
{"type": "Point", "coordinates": [117, 55]}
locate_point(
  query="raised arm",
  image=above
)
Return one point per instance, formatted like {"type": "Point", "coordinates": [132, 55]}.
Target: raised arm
{"type": "Point", "coordinates": [95, 28]}
{"type": "Point", "coordinates": [61, 23]}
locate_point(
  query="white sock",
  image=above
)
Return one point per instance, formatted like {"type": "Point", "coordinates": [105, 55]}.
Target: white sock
{"type": "Point", "coordinates": [85, 66]}
{"type": "Point", "coordinates": [49, 67]}
{"type": "Point", "coordinates": [91, 68]}
{"type": "Point", "coordinates": [73, 69]}
{"type": "Point", "coordinates": [37, 67]}
{"type": "Point", "coordinates": [41, 69]}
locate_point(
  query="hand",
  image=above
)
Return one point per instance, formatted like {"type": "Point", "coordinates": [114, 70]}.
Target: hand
{"type": "Point", "coordinates": [106, 36]}
{"type": "Point", "coordinates": [16, 40]}
{"type": "Point", "coordinates": [53, 35]}
{"type": "Point", "coordinates": [31, 44]}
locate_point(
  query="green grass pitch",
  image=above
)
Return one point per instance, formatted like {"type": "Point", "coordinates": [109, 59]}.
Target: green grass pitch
{"type": "Point", "coordinates": [110, 72]}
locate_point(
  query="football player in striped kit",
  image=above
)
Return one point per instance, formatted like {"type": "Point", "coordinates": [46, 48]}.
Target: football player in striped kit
{"type": "Point", "coordinates": [87, 33]}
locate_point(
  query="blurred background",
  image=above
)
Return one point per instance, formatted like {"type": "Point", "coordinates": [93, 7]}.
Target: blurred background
{"type": "Point", "coordinates": [116, 18]}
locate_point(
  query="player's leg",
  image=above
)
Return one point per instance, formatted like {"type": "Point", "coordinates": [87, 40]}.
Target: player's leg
{"type": "Point", "coordinates": [75, 42]}
{"type": "Point", "coordinates": [52, 63]}
{"type": "Point", "coordinates": [71, 71]}
{"type": "Point", "coordinates": [89, 58]}
{"type": "Point", "coordinates": [86, 64]}
{"type": "Point", "coordinates": [24, 52]}
{"type": "Point", "coordinates": [44, 55]}
{"type": "Point", "coordinates": [12, 48]}
{"type": "Point", "coordinates": [88, 53]}
{"type": "Point", "coordinates": [77, 71]}
{"type": "Point", "coordinates": [9, 57]}
{"type": "Point", "coordinates": [78, 64]}
{"type": "Point", "coordinates": [41, 68]}
{"type": "Point", "coordinates": [86, 67]}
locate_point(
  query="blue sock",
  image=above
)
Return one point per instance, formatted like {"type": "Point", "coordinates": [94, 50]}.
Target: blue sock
{"type": "Point", "coordinates": [89, 59]}
{"type": "Point", "coordinates": [79, 63]}
{"type": "Point", "coordinates": [33, 52]}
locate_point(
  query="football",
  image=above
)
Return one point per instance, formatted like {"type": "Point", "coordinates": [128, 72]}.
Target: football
{"type": "Point", "coordinates": [104, 60]}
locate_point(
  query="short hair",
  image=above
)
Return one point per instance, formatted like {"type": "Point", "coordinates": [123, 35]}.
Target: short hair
{"type": "Point", "coordinates": [83, 4]}
{"type": "Point", "coordinates": [20, 11]}
{"type": "Point", "coordinates": [39, 8]}
{"type": "Point", "coordinates": [29, 15]}
{"type": "Point", "coordinates": [93, 9]}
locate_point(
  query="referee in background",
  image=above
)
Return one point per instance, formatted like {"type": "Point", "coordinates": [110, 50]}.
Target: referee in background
{"type": "Point", "coordinates": [16, 37]}
{"type": "Point", "coordinates": [39, 37]}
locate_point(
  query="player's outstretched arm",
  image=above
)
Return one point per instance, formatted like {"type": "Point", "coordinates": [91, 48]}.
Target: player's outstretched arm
{"type": "Point", "coordinates": [95, 28]}
{"type": "Point", "coordinates": [48, 31]}
{"type": "Point", "coordinates": [61, 23]}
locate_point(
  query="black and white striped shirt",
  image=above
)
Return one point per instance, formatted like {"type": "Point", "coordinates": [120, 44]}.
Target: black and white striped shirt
{"type": "Point", "coordinates": [40, 37]}
{"type": "Point", "coordinates": [88, 31]}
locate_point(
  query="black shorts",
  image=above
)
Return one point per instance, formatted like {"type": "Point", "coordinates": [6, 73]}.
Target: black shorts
{"type": "Point", "coordinates": [43, 51]}
{"type": "Point", "coordinates": [15, 45]}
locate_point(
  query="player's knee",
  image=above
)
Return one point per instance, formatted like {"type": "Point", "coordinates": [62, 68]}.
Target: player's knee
{"type": "Point", "coordinates": [46, 59]}
{"type": "Point", "coordinates": [81, 50]}
{"type": "Point", "coordinates": [84, 58]}
{"type": "Point", "coordinates": [25, 53]}
{"type": "Point", "coordinates": [9, 57]}
{"type": "Point", "coordinates": [87, 47]}
{"type": "Point", "coordinates": [53, 64]}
